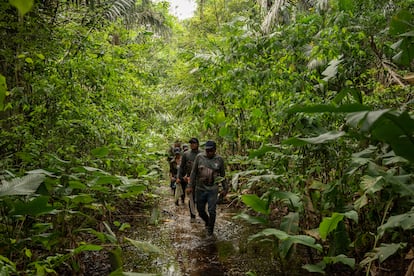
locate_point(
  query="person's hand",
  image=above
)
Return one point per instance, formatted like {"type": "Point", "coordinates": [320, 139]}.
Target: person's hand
{"type": "Point", "coordinates": [178, 180]}
{"type": "Point", "coordinates": [189, 190]}
{"type": "Point", "coordinates": [187, 179]}
{"type": "Point", "coordinates": [223, 193]}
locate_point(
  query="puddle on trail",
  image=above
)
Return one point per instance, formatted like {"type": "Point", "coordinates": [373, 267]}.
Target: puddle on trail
{"type": "Point", "coordinates": [185, 249]}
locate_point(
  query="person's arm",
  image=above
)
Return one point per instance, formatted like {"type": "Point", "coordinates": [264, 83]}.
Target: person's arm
{"type": "Point", "coordinates": [222, 173]}
{"type": "Point", "coordinates": [194, 172]}
{"type": "Point", "coordinates": [182, 168]}
{"type": "Point", "coordinates": [171, 169]}
{"type": "Point", "coordinates": [172, 176]}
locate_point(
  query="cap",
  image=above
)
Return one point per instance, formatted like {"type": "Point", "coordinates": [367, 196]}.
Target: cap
{"type": "Point", "coordinates": [193, 141]}
{"type": "Point", "coordinates": [177, 150]}
{"type": "Point", "coordinates": [210, 145]}
{"type": "Point", "coordinates": [185, 146]}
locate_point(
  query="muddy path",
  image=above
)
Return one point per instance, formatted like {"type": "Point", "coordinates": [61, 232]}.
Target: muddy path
{"type": "Point", "coordinates": [161, 240]}
{"type": "Point", "coordinates": [197, 253]}
{"type": "Point", "coordinates": [183, 248]}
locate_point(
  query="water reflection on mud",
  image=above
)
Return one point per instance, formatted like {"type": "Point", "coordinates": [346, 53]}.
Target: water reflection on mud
{"type": "Point", "coordinates": [187, 250]}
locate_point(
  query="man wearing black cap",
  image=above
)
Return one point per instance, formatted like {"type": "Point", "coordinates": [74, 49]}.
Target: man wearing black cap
{"type": "Point", "coordinates": [207, 173]}
{"type": "Point", "coordinates": [185, 171]}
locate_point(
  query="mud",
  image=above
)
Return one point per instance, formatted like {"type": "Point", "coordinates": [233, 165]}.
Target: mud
{"type": "Point", "coordinates": [183, 248]}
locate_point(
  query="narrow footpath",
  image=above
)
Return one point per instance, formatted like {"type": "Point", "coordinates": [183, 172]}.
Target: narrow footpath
{"type": "Point", "coordinates": [173, 246]}
{"type": "Point", "coordinates": [196, 253]}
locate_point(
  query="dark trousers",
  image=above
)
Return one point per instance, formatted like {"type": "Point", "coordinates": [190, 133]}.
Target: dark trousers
{"type": "Point", "coordinates": [172, 186]}
{"type": "Point", "coordinates": [207, 199]}
{"type": "Point", "coordinates": [192, 212]}
{"type": "Point", "coordinates": [183, 186]}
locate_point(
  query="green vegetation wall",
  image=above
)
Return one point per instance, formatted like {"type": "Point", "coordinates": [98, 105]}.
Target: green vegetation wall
{"type": "Point", "coordinates": [80, 81]}
{"type": "Point", "coordinates": [251, 63]}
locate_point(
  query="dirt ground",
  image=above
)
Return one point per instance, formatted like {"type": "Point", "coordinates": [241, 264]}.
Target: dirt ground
{"type": "Point", "coordinates": [195, 252]}
{"type": "Point", "coordinates": [166, 243]}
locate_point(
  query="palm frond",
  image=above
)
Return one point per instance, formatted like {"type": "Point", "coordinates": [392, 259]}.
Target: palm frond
{"type": "Point", "coordinates": [25, 185]}
{"type": "Point", "coordinates": [137, 15]}
{"type": "Point", "coordinates": [119, 8]}
{"type": "Point", "coordinates": [272, 16]}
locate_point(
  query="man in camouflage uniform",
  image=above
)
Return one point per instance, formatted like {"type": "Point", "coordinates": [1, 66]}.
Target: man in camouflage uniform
{"type": "Point", "coordinates": [184, 172]}
{"type": "Point", "coordinates": [207, 173]}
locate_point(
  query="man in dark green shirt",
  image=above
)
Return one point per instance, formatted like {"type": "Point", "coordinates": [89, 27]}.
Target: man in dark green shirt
{"type": "Point", "coordinates": [207, 173]}
{"type": "Point", "coordinates": [184, 172]}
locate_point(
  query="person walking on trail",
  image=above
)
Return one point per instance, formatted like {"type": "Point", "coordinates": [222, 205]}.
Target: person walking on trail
{"type": "Point", "coordinates": [174, 167]}
{"type": "Point", "coordinates": [171, 149]}
{"type": "Point", "coordinates": [184, 172]}
{"type": "Point", "coordinates": [207, 173]}
{"type": "Point", "coordinates": [185, 147]}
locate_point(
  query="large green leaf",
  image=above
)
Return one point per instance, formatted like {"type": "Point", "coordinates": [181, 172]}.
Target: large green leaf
{"type": "Point", "coordinates": [225, 132]}
{"type": "Point", "coordinates": [398, 131]}
{"type": "Point", "coordinates": [401, 25]}
{"type": "Point", "coordinates": [106, 179]}
{"type": "Point", "coordinates": [236, 176]}
{"type": "Point", "coordinates": [382, 253]}
{"type": "Point", "coordinates": [100, 152]}
{"type": "Point", "coordinates": [263, 150]}
{"type": "Point", "coordinates": [133, 190]}
{"type": "Point", "coordinates": [329, 224]}
{"type": "Point", "coordinates": [283, 236]}
{"type": "Point", "coordinates": [353, 215]}
{"type": "Point", "coordinates": [354, 119]}
{"type": "Point", "coordinates": [256, 203]}
{"type": "Point", "coordinates": [346, 93]}
{"type": "Point", "coordinates": [371, 185]}
{"type": "Point", "coordinates": [251, 219]}
{"type": "Point", "coordinates": [35, 207]}
{"type": "Point", "coordinates": [340, 259]}
{"type": "Point", "coordinates": [144, 246]}
{"type": "Point", "coordinates": [315, 268]}
{"type": "Point", "coordinates": [87, 247]}
{"type": "Point", "coordinates": [392, 127]}
{"type": "Point", "coordinates": [290, 198]}
{"type": "Point", "coordinates": [387, 250]}
{"type": "Point", "coordinates": [23, 6]}
{"type": "Point", "coordinates": [290, 223]}
{"type": "Point", "coordinates": [405, 221]}
{"type": "Point", "coordinates": [371, 118]}
{"type": "Point", "coordinates": [80, 199]}
{"type": "Point", "coordinates": [323, 138]}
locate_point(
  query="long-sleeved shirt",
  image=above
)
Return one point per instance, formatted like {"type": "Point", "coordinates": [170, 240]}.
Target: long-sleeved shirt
{"type": "Point", "coordinates": [207, 173]}
{"type": "Point", "coordinates": [174, 167]}
{"type": "Point", "coordinates": [187, 161]}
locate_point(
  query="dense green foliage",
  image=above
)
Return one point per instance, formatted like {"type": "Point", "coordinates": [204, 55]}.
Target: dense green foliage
{"type": "Point", "coordinates": [310, 101]}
